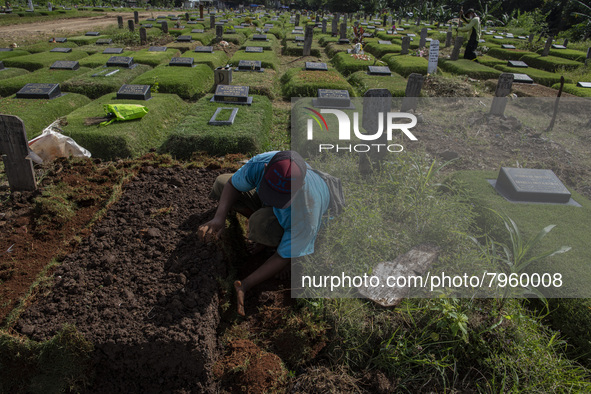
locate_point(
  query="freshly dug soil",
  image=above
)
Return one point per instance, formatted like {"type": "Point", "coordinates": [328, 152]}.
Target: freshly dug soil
{"type": "Point", "coordinates": [143, 289]}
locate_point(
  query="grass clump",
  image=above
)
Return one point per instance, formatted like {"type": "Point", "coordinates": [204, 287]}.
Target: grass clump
{"type": "Point", "coordinates": [45, 75]}
{"type": "Point", "coordinates": [61, 364]}
{"type": "Point", "coordinates": [100, 85]}
{"type": "Point", "coordinates": [38, 114]}
{"type": "Point", "coordinates": [540, 76]}
{"type": "Point", "coordinates": [100, 59]}
{"type": "Point", "coordinates": [154, 59]}
{"type": "Point", "coordinates": [292, 49]}
{"type": "Point", "coordinates": [263, 84]}
{"type": "Point", "coordinates": [189, 83]}
{"type": "Point", "coordinates": [13, 53]}
{"type": "Point", "coordinates": [85, 40]}
{"type": "Point", "coordinates": [249, 133]}
{"type": "Point", "coordinates": [130, 138]}
{"type": "Point", "coordinates": [572, 88]}
{"type": "Point", "coordinates": [469, 68]}
{"type": "Point", "coordinates": [297, 82]}
{"type": "Point", "coordinates": [395, 83]}
{"type": "Point", "coordinates": [213, 60]}
{"type": "Point", "coordinates": [40, 60]}
{"type": "Point", "coordinates": [347, 64]}
{"type": "Point", "coordinates": [508, 54]}
{"type": "Point", "coordinates": [379, 50]}
{"type": "Point", "coordinates": [268, 59]}
{"type": "Point", "coordinates": [572, 54]}
{"type": "Point", "coordinates": [406, 65]}
{"type": "Point", "coordinates": [8, 73]}
{"type": "Point", "coordinates": [46, 46]}
{"type": "Point", "coordinates": [550, 63]}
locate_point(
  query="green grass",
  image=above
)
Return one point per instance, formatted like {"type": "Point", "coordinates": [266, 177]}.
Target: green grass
{"type": "Point", "coordinates": [268, 59]}
{"type": "Point", "coordinates": [100, 59]}
{"type": "Point", "coordinates": [46, 46]}
{"type": "Point", "coordinates": [13, 53]}
{"type": "Point", "coordinates": [292, 49]}
{"type": "Point", "coordinates": [154, 59]}
{"type": "Point", "coordinates": [213, 60]}
{"type": "Point", "coordinates": [379, 50]}
{"type": "Point", "coordinates": [508, 54]}
{"type": "Point", "coordinates": [189, 83]}
{"type": "Point", "coordinates": [38, 114]}
{"type": "Point", "coordinates": [347, 64]}
{"type": "Point", "coordinates": [126, 139]}
{"type": "Point", "coordinates": [469, 68]}
{"type": "Point", "coordinates": [550, 63]}
{"type": "Point", "coordinates": [40, 60]}
{"type": "Point", "coordinates": [205, 37]}
{"type": "Point", "coordinates": [406, 64]}
{"type": "Point", "coordinates": [491, 61]}
{"type": "Point", "coordinates": [297, 82]}
{"type": "Point", "coordinates": [263, 84]}
{"type": "Point", "coordinates": [95, 87]}
{"type": "Point", "coordinates": [63, 363]}
{"type": "Point", "coordinates": [572, 54]}
{"type": "Point", "coordinates": [11, 73]}
{"type": "Point", "coordinates": [13, 85]}
{"type": "Point", "coordinates": [249, 133]}
{"type": "Point", "coordinates": [332, 48]}
{"type": "Point", "coordinates": [361, 81]}
{"type": "Point", "coordinates": [236, 38]}
{"type": "Point", "coordinates": [271, 45]}
{"type": "Point", "coordinates": [539, 76]}
{"type": "Point", "coordinates": [85, 40]}
{"type": "Point", "coordinates": [184, 46]}
{"type": "Point", "coordinates": [572, 88]}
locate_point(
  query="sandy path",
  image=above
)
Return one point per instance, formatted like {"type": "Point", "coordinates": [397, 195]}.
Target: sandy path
{"type": "Point", "coordinates": [61, 27]}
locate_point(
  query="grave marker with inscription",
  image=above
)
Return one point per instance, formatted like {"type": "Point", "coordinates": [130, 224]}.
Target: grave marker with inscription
{"type": "Point", "coordinates": [254, 50]}
{"type": "Point", "coordinates": [423, 38]}
{"type": "Point", "coordinates": [134, 92]}
{"type": "Point", "coordinates": [517, 63]}
{"type": "Point", "coordinates": [433, 57]}
{"type": "Point", "coordinates": [232, 94]}
{"type": "Point", "coordinates": [379, 70]}
{"type": "Point", "coordinates": [61, 50]}
{"type": "Point", "coordinates": [455, 54]}
{"type": "Point", "coordinates": [113, 51]}
{"type": "Point", "coordinates": [405, 45]}
{"type": "Point", "coordinates": [104, 41]}
{"type": "Point", "coordinates": [181, 62]}
{"type": "Point", "coordinates": [522, 78]}
{"type": "Point", "coordinates": [14, 149]}
{"type": "Point", "coordinates": [249, 65]}
{"type": "Point", "coordinates": [316, 66]}
{"type": "Point", "coordinates": [412, 92]}
{"type": "Point", "coordinates": [333, 98]}
{"type": "Point", "coordinates": [308, 35]}
{"type": "Point", "coordinates": [531, 185]}
{"type": "Point", "coordinates": [547, 46]}
{"type": "Point", "coordinates": [65, 65]}
{"type": "Point", "coordinates": [45, 91]}
{"type": "Point", "coordinates": [503, 90]}
{"type": "Point", "coordinates": [184, 39]}
{"type": "Point", "coordinates": [120, 61]}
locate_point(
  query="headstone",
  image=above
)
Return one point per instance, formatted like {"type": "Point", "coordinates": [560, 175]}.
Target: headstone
{"type": "Point", "coordinates": [134, 92]}
{"type": "Point", "coordinates": [232, 94]}
{"type": "Point", "coordinates": [547, 47]}
{"type": "Point", "coordinates": [60, 40]}
{"type": "Point", "coordinates": [433, 57]}
{"type": "Point", "coordinates": [334, 28]}
{"type": "Point", "coordinates": [324, 22]}
{"type": "Point", "coordinates": [522, 78]}
{"type": "Point", "coordinates": [61, 50]}
{"type": "Point", "coordinates": [517, 63]}
{"type": "Point", "coordinates": [92, 33]}
{"type": "Point", "coordinates": [184, 39]}
{"type": "Point", "coordinates": [157, 49]}
{"type": "Point", "coordinates": [131, 25]}
{"type": "Point", "coordinates": [503, 90]}
{"type": "Point", "coordinates": [343, 31]}
{"type": "Point", "coordinates": [49, 7]}
{"type": "Point", "coordinates": [423, 37]}
{"type": "Point", "coordinates": [120, 21]}
{"type": "Point", "coordinates": [508, 46]}
{"type": "Point", "coordinates": [531, 38]}
{"type": "Point", "coordinates": [448, 38]}
{"type": "Point", "coordinates": [455, 53]}
{"type": "Point", "coordinates": [531, 185]}
{"type": "Point", "coordinates": [65, 65]}
{"type": "Point", "coordinates": [405, 45]}
{"type": "Point", "coordinates": [379, 70]}
{"type": "Point", "coordinates": [297, 20]}
{"type": "Point", "coordinates": [203, 49]}
{"type": "Point", "coordinates": [147, 26]}
{"type": "Point", "coordinates": [316, 66]}
{"type": "Point", "coordinates": [584, 84]}
{"type": "Point", "coordinates": [383, 42]}
{"type": "Point", "coordinates": [1, 65]}
{"type": "Point", "coordinates": [113, 51]}
{"type": "Point", "coordinates": [299, 39]}
{"type": "Point", "coordinates": [136, 17]}
{"type": "Point", "coordinates": [187, 16]}
{"type": "Point", "coordinates": [499, 37]}
{"type": "Point", "coordinates": [143, 36]}
{"type": "Point", "coordinates": [333, 98]}
{"type": "Point", "coordinates": [181, 62]}
{"type": "Point", "coordinates": [197, 31]}
{"type": "Point", "coordinates": [308, 35]}
{"type": "Point", "coordinates": [14, 149]}
{"type": "Point", "coordinates": [223, 116]}
{"type": "Point", "coordinates": [212, 21]}
{"type": "Point", "coordinates": [249, 65]}
{"type": "Point", "coordinates": [219, 32]}
{"type": "Point", "coordinates": [259, 37]}
{"type": "Point", "coordinates": [412, 92]}
{"type": "Point", "coordinates": [104, 41]}
{"type": "Point", "coordinates": [45, 91]}
{"type": "Point", "coordinates": [222, 76]}
{"type": "Point", "coordinates": [120, 61]}
{"type": "Point", "coordinates": [556, 46]}
{"type": "Point", "coordinates": [565, 42]}
{"type": "Point", "coordinates": [254, 50]}
{"type": "Point", "coordinates": [201, 11]}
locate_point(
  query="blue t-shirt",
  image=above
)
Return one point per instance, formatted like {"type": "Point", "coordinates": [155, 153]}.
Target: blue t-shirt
{"type": "Point", "coordinates": [307, 208]}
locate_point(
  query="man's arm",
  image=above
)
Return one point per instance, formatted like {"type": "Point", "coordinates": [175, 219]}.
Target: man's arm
{"type": "Point", "coordinates": [216, 225]}
{"type": "Point", "coordinates": [469, 26]}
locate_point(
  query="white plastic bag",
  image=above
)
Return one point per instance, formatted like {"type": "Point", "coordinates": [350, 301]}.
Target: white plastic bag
{"type": "Point", "coordinates": [52, 144]}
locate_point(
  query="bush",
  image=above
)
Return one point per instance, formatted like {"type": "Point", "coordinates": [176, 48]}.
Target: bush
{"type": "Point", "coordinates": [213, 60]}
{"type": "Point", "coordinates": [572, 54]}
{"type": "Point", "coordinates": [406, 65]}
{"type": "Point", "coordinates": [292, 49]}
{"type": "Point", "coordinates": [130, 138]}
{"type": "Point", "coordinates": [298, 82]}
{"type": "Point", "coordinates": [188, 83]}
{"type": "Point", "coordinates": [13, 53]}
{"type": "Point", "coordinates": [46, 46]}
{"type": "Point", "coordinates": [249, 134]}
{"type": "Point", "coordinates": [95, 87]}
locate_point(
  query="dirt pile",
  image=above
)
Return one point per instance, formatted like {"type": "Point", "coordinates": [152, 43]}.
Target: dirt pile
{"type": "Point", "coordinates": [143, 289]}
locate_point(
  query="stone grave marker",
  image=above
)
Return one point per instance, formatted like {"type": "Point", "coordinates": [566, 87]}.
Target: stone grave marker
{"type": "Point", "coordinates": [254, 50]}
{"type": "Point", "coordinates": [1, 65]}
{"type": "Point", "coordinates": [531, 38]}
{"type": "Point", "coordinates": [503, 90]}
{"type": "Point", "coordinates": [203, 49]}
{"type": "Point", "coordinates": [547, 46]}
{"type": "Point", "coordinates": [65, 65]}
{"type": "Point", "coordinates": [379, 70]}
{"type": "Point", "coordinates": [113, 51]}
{"type": "Point", "coordinates": [197, 31]}
{"type": "Point", "coordinates": [61, 50]}
{"type": "Point", "coordinates": [219, 32]}
{"type": "Point", "coordinates": [517, 63]}
{"type": "Point", "coordinates": [223, 116]}
{"type": "Point", "coordinates": [316, 66]}
{"type": "Point", "coordinates": [299, 39]}
{"type": "Point", "coordinates": [249, 65]}
{"type": "Point", "coordinates": [211, 21]}
{"type": "Point", "coordinates": [455, 53]}
{"type": "Point", "coordinates": [334, 28]}
{"type": "Point", "coordinates": [433, 57]}
{"type": "Point", "coordinates": [343, 31]}
{"type": "Point", "coordinates": [423, 37]}
{"type": "Point", "coordinates": [120, 22]}
{"type": "Point", "coordinates": [584, 84]}
{"type": "Point", "coordinates": [181, 62]}
{"type": "Point", "coordinates": [232, 94]}
{"type": "Point", "coordinates": [508, 46]}
{"type": "Point", "coordinates": [412, 92]}
{"type": "Point", "coordinates": [259, 37]}
{"type": "Point", "coordinates": [104, 41]}
{"type": "Point", "coordinates": [157, 49]}
{"type": "Point", "coordinates": [324, 21]}
{"type": "Point", "coordinates": [44, 91]}
{"type": "Point", "coordinates": [383, 42]}
{"type": "Point", "coordinates": [222, 76]}
{"type": "Point", "coordinates": [164, 26]}
{"type": "Point", "coordinates": [92, 33]}
{"type": "Point", "coordinates": [147, 26]}
{"type": "Point", "coordinates": [297, 20]}
{"type": "Point", "coordinates": [448, 38]}
{"type": "Point", "coordinates": [134, 92]}
{"type": "Point", "coordinates": [565, 42]}
{"type": "Point", "coordinates": [60, 40]}
{"type": "Point", "coordinates": [531, 185]}
{"type": "Point", "coordinates": [136, 17]}
{"type": "Point", "coordinates": [333, 98]}
{"type": "Point", "coordinates": [131, 25]}
{"type": "Point", "coordinates": [557, 46]}
{"type": "Point", "coordinates": [308, 35]}
{"type": "Point", "coordinates": [522, 78]}
{"type": "Point", "coordinates": [184, 39]}
{"type": "Point", "coordinates": [120, 61]}
{"type": "Point", "coordinates": [143, 36]}
{"type": "Point", "coordinates": [405, 45]}
{"type": "Point", "coordinates": [499, 37]}
{"type": "Point", "coordinates": [14, 149]}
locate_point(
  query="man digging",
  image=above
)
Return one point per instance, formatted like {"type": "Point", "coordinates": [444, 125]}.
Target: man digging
{"type": "Point", "coordinates": [265, 190]}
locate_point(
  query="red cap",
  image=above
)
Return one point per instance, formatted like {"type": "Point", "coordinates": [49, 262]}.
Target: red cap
{"type": "Point", "coordinates": [283, 177]}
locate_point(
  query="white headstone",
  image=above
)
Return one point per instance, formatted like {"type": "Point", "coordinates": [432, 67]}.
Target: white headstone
{"type": "Point", "coordinates": [433, 57]}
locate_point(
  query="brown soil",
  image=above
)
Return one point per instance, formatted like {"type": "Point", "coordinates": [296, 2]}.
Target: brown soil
{"type": "Point", "coordinates": [142, 288]}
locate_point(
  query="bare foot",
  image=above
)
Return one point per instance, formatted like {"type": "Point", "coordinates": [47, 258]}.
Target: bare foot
{"type": "Point", "coordinates": [239, 297]}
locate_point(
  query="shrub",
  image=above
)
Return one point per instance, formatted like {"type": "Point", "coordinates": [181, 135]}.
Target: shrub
{"type": "Point", "coordinates": [540, 76]}
{"type": "Point", "coordinates": [508, 54]}
{"type": "Point", "coordinates": [379, 50]}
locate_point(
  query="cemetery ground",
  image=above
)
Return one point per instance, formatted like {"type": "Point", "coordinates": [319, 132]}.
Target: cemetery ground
{"type": "Point", "coordinates": [105, 287]}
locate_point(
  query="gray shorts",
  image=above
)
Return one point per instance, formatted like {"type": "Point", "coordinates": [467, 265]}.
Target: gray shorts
{"type": "Point", "coordinates": [263, 226]}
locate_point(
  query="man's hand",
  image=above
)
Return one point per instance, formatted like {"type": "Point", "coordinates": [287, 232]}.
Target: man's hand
{"type": "Point", "coordinates": [211, 230]}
